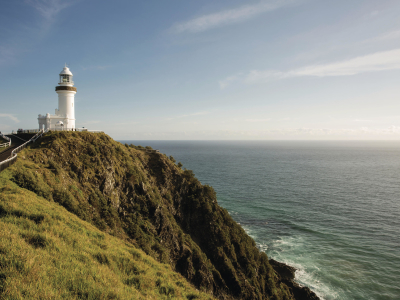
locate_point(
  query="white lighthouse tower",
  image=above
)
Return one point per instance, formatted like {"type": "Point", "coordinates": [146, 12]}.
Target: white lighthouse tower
{"type": "Point", "coordinates": [64, 117]}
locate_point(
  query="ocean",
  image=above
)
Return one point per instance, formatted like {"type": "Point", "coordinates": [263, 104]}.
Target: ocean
{"type": "Point", "coordinates": [331, 209]}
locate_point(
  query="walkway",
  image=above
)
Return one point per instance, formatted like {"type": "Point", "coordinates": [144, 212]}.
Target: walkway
{"type": "Point", "coordinates": [16, 141]}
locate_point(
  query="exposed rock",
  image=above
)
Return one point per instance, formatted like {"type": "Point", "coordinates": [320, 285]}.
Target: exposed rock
{"type": "Point", "coordinates": [287, 275]}
{"type": "Point", "coordinates": [285, 271]}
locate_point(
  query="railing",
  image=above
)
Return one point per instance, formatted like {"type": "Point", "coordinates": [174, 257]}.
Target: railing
{"type": "Point", "coordinates": [29, 131]}
{"type": "Point", "coordinates": [24, 131]}
{"type": "Point", "coordinates": [8, 162]}
{"type": "Point", "coordinates": [7, 139]}
{"type": "Point", "coordinates": [38, 136]}
{"type": "Point", "coordinates": [54, 129]}
{"type": "Point", "coordinates": [75, 129]}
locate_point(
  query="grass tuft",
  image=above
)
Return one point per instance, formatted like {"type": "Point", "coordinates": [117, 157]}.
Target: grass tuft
{"type": "Point", "coordinates": [101, 258]}
{"type": "Point", "coordinates": [37, 240]}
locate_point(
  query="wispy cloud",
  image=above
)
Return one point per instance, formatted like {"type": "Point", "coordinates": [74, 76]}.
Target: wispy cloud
{"type": "Point", "coordinates": [10, 116]}
{"type": "Point", "coordinates": [230, 16]}
{"type": "Point", "coordinates": [391, 35]}
{"type": "Point", "coordinates": [23, 38]}
{"type": "Point", "coordinates": [380, 61]}
{"type": "Point", "coordinates": [227, 81]}
{"type": "Point", "coordinates": [49, 9]}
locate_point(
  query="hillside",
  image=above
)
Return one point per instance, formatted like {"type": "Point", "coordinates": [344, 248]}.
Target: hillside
{"type": "Point", "coordinates": [49, 253]}
{"type": "Point", "coordinates": [149, 202]}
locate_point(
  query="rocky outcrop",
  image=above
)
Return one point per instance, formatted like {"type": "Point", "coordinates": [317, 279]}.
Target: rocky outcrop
{"type": "Point", "coordinates": [287, 275]}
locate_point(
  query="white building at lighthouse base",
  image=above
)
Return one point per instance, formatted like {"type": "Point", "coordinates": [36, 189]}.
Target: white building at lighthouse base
{"type": "Point", "coordinates": [49, 121]}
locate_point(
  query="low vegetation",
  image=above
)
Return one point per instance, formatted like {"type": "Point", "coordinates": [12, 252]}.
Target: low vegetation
{"type": "Point", "coordinates": [48, 253]}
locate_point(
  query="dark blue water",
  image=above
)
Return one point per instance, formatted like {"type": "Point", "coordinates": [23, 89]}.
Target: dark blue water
{"type": "Point", "coordinates": [331, 209]}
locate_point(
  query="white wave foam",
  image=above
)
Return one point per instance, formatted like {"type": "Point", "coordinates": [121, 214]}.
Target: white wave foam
{"type": "Point", "coordinates": [288, 251]}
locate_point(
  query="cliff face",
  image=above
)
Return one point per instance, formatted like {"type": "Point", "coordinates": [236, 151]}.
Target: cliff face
{"type": "Point", "coordinates": [146, 199]}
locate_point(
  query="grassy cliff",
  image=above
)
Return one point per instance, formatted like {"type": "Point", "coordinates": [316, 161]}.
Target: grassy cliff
{"type": "Point", "coordinates": [147, 202]}
{"type": "Point", "coordinates": [48, 253]}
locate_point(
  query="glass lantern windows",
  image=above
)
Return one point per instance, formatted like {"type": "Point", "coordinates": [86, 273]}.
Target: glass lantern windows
{"type": "Point", "coordinates": [65, 79]}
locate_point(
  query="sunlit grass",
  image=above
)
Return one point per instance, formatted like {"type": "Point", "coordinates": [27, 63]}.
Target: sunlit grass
{"type": "Point", "coordinates": [48, 253]}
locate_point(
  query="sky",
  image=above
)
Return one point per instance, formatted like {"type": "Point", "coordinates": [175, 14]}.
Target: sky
{"type": "Point", "coordinates": [206, 70]}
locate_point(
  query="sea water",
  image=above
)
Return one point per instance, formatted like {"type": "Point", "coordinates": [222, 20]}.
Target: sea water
{"type": "Point", "coordinates": [330, 209]}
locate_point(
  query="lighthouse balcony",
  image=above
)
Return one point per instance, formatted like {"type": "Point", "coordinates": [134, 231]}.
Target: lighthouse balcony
{"type": "Point", "coordinates": [65, 88]}
{"type": "Point", "coordinates": [66, 83]}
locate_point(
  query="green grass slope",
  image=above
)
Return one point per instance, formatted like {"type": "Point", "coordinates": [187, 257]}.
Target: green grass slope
{"type": "Point", "coordinates": [48, 253]}
{"type": "Point", "coordinates": [147, 200]}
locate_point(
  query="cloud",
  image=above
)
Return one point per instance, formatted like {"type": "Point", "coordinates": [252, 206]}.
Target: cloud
{"type": "Point", "coordinates": [391, 35]}
{"type": "Point", "coordinates": [380, 61]}
{"type": "Point", "coordinates": [49, 9]}
{"type": "Point", "coordinates": [230, 16]}
{"type": "Point", "coordinates": [227, 81]}
{"type": "Point", "coordinates": [23, 38]}
{"type": "Point", "coordinates": [10, 116]}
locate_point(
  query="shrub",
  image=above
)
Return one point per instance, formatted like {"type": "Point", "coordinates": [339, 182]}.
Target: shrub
{"type": "Point", "coordinates": [135, 281]}
{"type": "Point", "coordinates": [101, 258]}
{"type": "Point", "coordinates": [64, 198]}
{"type": "Point", "coordinates": [36, 240]}
{"type": "Point", "coordinates": [167, 290]}
{"type": "Point", "coordinates": [3, 279]}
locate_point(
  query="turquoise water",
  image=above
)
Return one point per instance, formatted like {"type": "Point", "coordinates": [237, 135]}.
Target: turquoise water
{"type": "Point", "coordinates": [330, 209]}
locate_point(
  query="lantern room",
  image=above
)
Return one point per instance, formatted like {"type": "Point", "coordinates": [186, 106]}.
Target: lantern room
{"type": "Point", "coordinates": [66, 77]}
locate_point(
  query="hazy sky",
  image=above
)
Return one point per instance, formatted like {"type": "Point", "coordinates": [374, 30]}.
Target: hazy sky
{"type": "Point", "coordinates": [226, 69]}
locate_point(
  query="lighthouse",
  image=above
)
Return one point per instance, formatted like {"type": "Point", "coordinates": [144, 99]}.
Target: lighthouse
{"type": "Point", "coordinates": [64, 117]}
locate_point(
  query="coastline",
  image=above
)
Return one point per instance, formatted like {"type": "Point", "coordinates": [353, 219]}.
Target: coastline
{"type": "Point", "coordinates": [287, 275]}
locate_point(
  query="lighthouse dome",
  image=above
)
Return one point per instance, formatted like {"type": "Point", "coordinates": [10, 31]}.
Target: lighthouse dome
{"type": "Point", "coordinates": [65, 71]}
